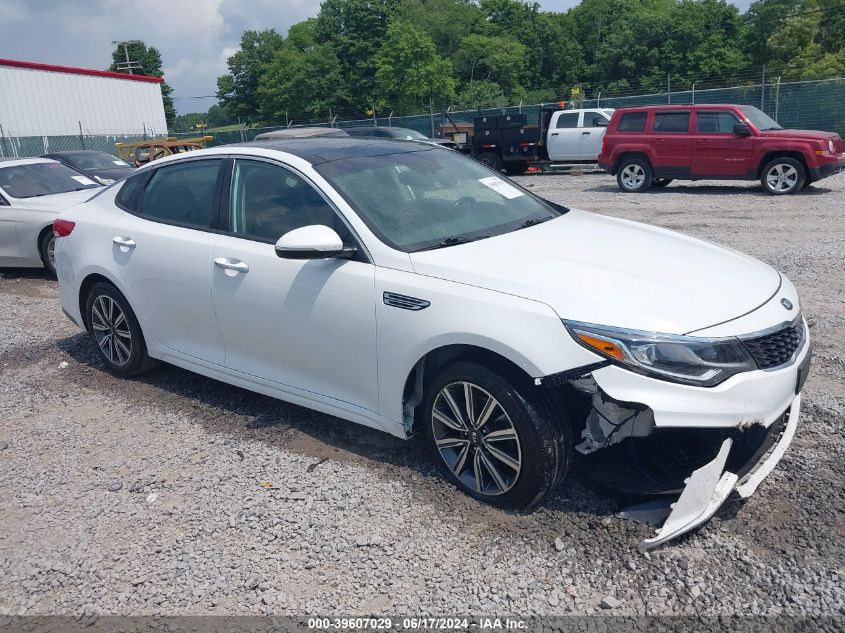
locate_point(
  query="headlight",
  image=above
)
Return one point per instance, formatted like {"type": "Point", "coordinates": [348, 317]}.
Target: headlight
{"type": "Point", "coordinates": [830, 145]}
{"type": "Point", "coordinates": [690, 360]}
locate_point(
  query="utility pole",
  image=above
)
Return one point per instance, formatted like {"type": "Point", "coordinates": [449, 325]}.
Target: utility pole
{"type": "Point", "coordinates": [127, 66]}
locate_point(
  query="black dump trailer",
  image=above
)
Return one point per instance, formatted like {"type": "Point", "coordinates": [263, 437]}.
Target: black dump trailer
{"type": "Point", "coordinates": [505, 141]}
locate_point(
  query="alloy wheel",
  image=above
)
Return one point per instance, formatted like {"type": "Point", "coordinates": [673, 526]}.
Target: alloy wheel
{"type": "Point", "coordinates": [111, 330]}
{"type": "Point", "coordinates": [633, 176]}
{"type": "Point", "coordinates": [782, 177]}
{"type": "Point", "coordinates": [476, 438]}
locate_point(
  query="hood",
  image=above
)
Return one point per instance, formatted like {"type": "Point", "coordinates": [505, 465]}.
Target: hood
{"type": "Point", "coordinates": [58, 201]}
{"type": "Point", "coordinates": [613, 272]}
{"type": "Point", "coordinates": [810, 134]}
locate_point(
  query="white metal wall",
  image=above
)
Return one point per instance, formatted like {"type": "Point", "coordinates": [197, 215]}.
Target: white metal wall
{"type": "Point", "coordinates": [48, 103]}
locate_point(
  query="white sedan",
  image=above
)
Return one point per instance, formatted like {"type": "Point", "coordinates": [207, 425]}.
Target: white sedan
{"type": "Point", "coordinates": [411, 289]}
{"type": "Point", "coordinates": [32, 193]}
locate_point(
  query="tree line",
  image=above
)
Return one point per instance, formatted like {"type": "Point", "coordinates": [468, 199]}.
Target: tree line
{"type": "Point", "coordinates": [406, 56]}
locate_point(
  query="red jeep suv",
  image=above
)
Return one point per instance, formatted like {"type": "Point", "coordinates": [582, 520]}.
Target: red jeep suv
{"type": "Point", "coordinates": [650, 146]}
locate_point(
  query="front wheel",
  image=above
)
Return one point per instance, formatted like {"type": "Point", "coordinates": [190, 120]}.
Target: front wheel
{"type": "Point", "coordinates": [783, 176]}
{"type": "Point", "coordinates": [112, 325]}
{"type": "Point", "coordinates": [491, 440]}
{"type": "Point", "coordinates": [634, 175]}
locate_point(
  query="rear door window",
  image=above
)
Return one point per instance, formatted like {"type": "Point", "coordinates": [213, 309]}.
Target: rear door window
{"type": "Point", "coordinates": [715, 122]}
{"type": "Point", "coordinates": [632, 122]}
{"type": "Point", "coordinates": [567, 120]}
{"type": "Point", "coordinates": [182, 194]}
{"type": "Point", "coordinates": [594, 119]}
{"type": "Point", "coordinates": [672, 122]}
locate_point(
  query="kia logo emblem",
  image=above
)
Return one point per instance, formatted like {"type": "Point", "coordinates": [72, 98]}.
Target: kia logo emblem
{"type": "Point", "coordinates": [786, 303]}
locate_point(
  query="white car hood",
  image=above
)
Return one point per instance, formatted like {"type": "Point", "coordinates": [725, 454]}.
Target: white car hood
{"type": "Point", "coordinates": [57, 202]}
{"type": "Point", "coordinates": [614, 272]}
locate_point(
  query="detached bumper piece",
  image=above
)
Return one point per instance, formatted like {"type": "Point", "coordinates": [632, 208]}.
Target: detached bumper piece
{"type": "Point", "coordinates": [710, 485]}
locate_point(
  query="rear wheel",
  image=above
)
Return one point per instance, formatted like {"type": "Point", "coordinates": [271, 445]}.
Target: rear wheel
{"type": "Point", "coordinates": [491, 159]}
{"type": "Point", "coordinates": [112, 325]}
{"type": "Point", "coordinates": [47, 250]}
{"type": "Point", "coordinates": [783, 176]}
{"type": "Point", "coordinates": [491, 440]}
{"type": "Point", "coordinates": [660, 182]}
{"type": "Point", "coordinates": [516, 168]}
{"type": "Point", "coordinates": [634, 175]}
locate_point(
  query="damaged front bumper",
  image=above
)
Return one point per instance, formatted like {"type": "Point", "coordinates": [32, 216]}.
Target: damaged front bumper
{"type": "Point", "coordinates": [710, 485]}
{"type": "Point", "coordinates": [653, 437]}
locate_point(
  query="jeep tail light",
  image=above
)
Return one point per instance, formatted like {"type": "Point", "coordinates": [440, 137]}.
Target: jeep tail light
{"type": "Point", "coordinates": [62, 228]}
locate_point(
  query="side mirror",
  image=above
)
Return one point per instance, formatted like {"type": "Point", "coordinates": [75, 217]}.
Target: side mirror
{"type": "Point", "coordinates": [741, 129]}
{"type": "Point", "coordinates": [600, 121]}
{"type": "Point", "coordinates": [312, 242]}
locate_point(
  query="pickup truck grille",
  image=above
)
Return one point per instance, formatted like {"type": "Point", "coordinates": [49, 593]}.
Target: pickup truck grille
{"type": "Point", "coordinates": [777, 348]}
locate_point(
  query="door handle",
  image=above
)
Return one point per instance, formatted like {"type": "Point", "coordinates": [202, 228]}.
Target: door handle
{"type": "Point", "coordinates": [124, 242]}
{"type": "Point", "coordinates": [554, 133]}
{"type": "Point", "coordinates": [702, 141]}
{"type": "Point", "coordinates": [584, 132]}
{"type": "Point", "coordinates": [230, 263]}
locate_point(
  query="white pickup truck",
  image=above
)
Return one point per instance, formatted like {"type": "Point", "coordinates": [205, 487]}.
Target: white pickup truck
{"type": "Point", "coordinates": [576, 135]}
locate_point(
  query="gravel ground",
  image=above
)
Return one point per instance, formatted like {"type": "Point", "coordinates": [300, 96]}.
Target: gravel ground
{"type": "Point", "coordinates": [176, 494]}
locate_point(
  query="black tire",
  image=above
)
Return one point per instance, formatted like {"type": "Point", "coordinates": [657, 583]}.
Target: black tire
{"type": "Point", "coordinates": [516, 168]}
{"type": "Point", "coordinates": [659, 183]}
{"type": "Point", "coordinates": [128, 332]}
{"type": "Point", "coordinates": [542, 448]}
{"type": "Point", "coordinates": [46, 243]}
{"type": "Point", "coordinates": [782, 176]}
{"type": "Point", "coordinates": [634, 175]}
{"type": "Point", "coordinates": [491, 159]}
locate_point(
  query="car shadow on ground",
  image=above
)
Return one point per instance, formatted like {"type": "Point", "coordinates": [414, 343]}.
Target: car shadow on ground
{"type": "Point", "coordinates": [711, 190]}
{"type": "Point", "coordinates": [25, 273]}
{"type": "Point", "coordinates": [242, 415]}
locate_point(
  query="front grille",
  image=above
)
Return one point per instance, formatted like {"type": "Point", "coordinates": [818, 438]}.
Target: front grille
{"type": "Point", "coordinates": [776, 348]}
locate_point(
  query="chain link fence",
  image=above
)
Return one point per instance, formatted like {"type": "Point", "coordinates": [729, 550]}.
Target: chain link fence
{"type": "Point", "coordinates": [13, 146]}
{"type": "Point", "coordinates": [817, 105]}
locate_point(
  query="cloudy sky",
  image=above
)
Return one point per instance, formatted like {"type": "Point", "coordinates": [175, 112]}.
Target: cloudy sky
{"type": "Point", "coordinates": [194, 36]}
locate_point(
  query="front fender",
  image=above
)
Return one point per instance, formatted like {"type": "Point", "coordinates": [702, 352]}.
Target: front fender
{"type": "Point", "coordinates": [528, 333]}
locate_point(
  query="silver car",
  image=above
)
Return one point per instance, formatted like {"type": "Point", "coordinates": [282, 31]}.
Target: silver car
{"type": "Point", "coordinates": [32, 193]}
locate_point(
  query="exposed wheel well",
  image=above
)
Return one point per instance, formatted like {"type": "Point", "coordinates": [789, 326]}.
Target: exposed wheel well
{"type": "Point", "coordinates": [627, 155]}
{"type": "Point", "coordinates": [781, 154]}
{"type": "Point", "coordinates": [44, 231]}
{"type": "Point", "coordinates": [426, 368]}
{"type": "Point", "coordinates": [85, 288]}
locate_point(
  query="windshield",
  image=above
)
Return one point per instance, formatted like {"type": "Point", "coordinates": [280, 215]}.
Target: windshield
{"type": "Point", "coordinates": [430, 198]}
{"type": "Point", "coordinates": [409, 135]}
{"type": "Point", "coordinates": [42, 179]}
{"type": "Point", "coordinates": [95, 161]}
{"type": "Point", "coordinates": [759, 119]}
